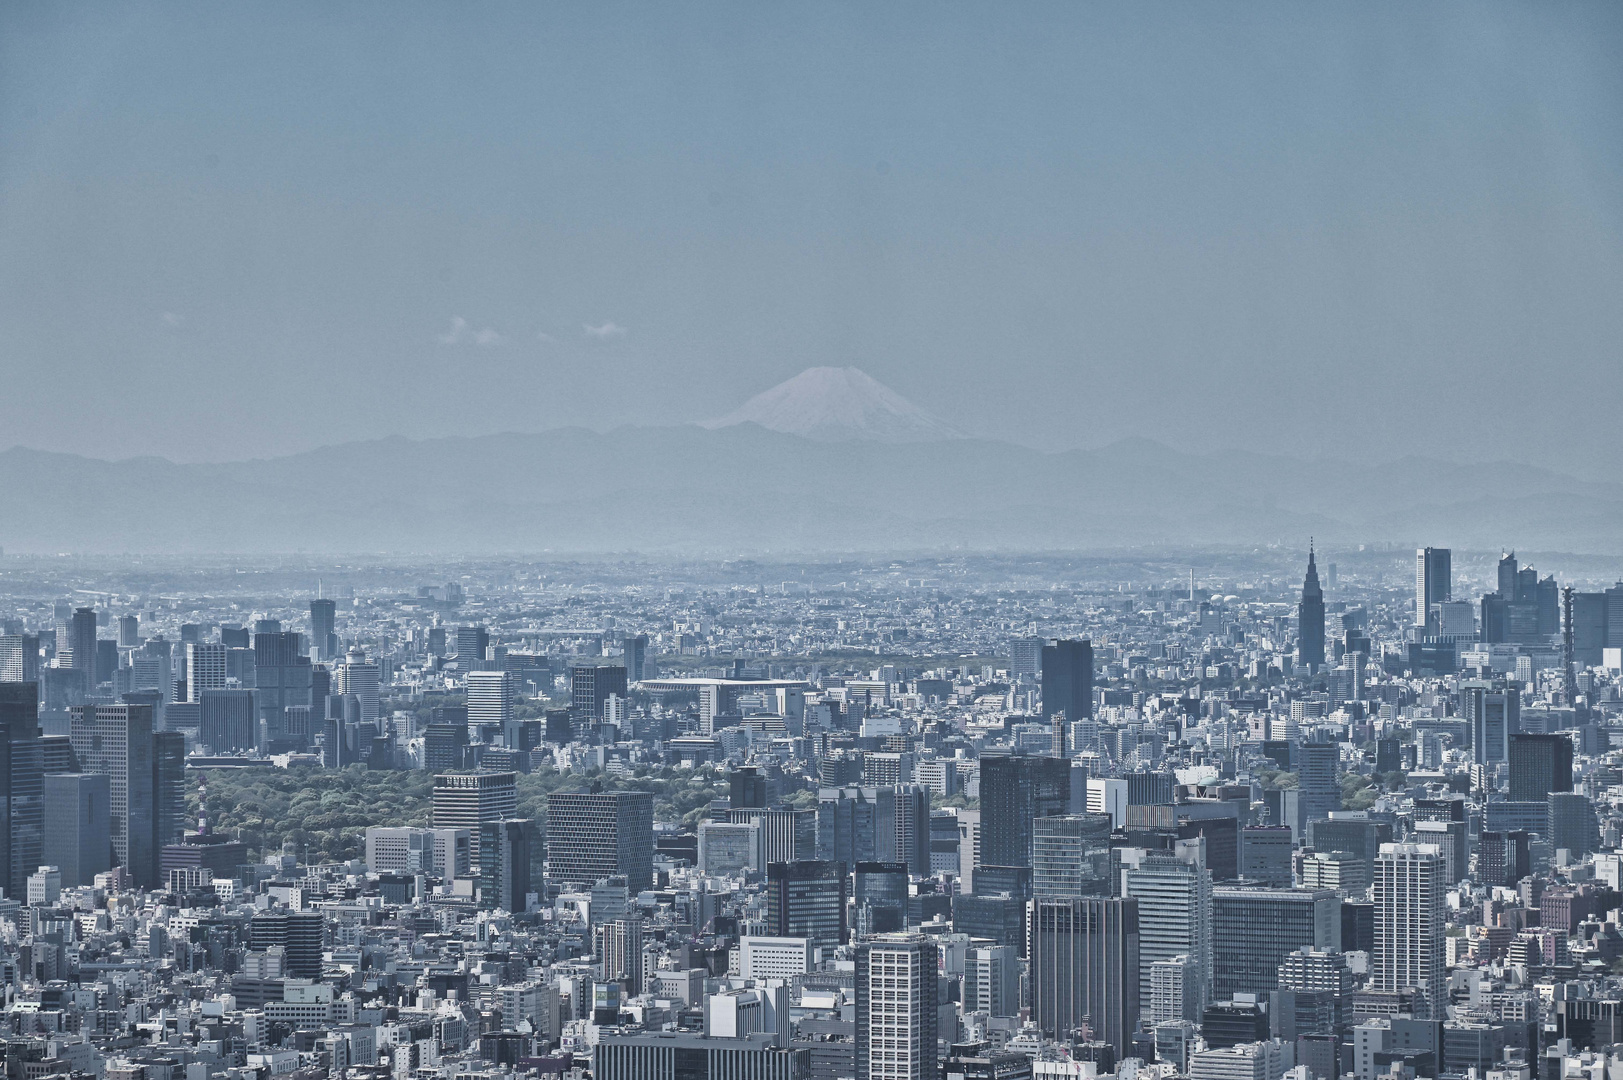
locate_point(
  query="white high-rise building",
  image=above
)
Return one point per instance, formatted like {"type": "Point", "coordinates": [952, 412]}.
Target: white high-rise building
{"type": "Point", "coordinates": [491, 698]}
{"type": "Point", "coordinates": [898, 1011]}
{"type": "Point", "coordinates": [357, 676]}
{"type": "Point", "coordinates": [1174, 893]}
{"type": "Point", "coordinates": [992, 981]}
{"type": "Point", "coordinates": [205, 668]}
{"type": "Point", "coordinates": [1409, 921]}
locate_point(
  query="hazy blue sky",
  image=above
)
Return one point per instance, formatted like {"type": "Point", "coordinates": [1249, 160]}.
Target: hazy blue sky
{"type": "Point", "coordinates": [1343, 230]}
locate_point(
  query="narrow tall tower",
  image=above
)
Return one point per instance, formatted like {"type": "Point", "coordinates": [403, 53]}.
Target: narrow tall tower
{"type": "Point", "coordinates": [1310, 638]}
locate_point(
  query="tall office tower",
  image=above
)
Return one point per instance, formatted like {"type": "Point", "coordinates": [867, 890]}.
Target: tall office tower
{"type": "Point", "coordinates": [1174, 894]}
{"type": "Point", "coordinates": [1086, 967]}
{"type": "Point", "coordinates": [592, 835]}
{"type": "Point", "coordinates": [1572, 824]}
{"type": "Point", "coordinates": [283, 678]}
{"type": "Point", "coordinates": [471, 643]}
{"type": "Point", "coordinates": [881, 897]}
{"type": "Point", "coordinates": [1253, 930]}
{"type": "Point", "coordinates": [169, 817]}
{"type": "Point", "coordinates": [1067, 680]}
{"type": "Point", "coordinates": [1508, 574]}
{"type": "Point", "coordinates": [1539, 765]}
{"type": "Point", "coordinates": [468, 800]}
{"type": "Point", "coordinates": [1433, 584]}
{"type": "Point", "coordinates": [1492, 714]}
{"type": "Point", "coordinates": [875, 824]}
{"type": "Point", "coordinates": [82, 646]}
{"type": "Point", "coordinates": [1026, 656]}
{"type": "Point", "coordinates": [1317, 781]}
{"type": "Point", "coordinates": [992, 980]}
{"type": "Point", "coordinates": [807, 899]}
{"type": "Point", "coordinates": [129, 635]}
{"type": "Point", "coordinates": [1310, 618]}
{"type": "Point", "coordinates": [226, 721]}
{"type": "Point", "coordinates": [785, 835]}
{"type": "Point", "coordinates": [898, 1035]}
{"type": "Point", "coordinates": [1409, 924]}
{"type": "Point", "coordinates": [205, 668]}
{"type": "Point", "coordinates": [746, 787]}
{"type": "Point", "coordinates": [1070, 856]}
{"type": "Point", "coordinates": [636, 657]}
{"type": "Point", "coordinates": [19, 658]}
{"type": "Point", "coordinates": [358, 676]}
{"type": "Point", "coordinates": [1015, 791]}
{"type": "Point", "coordinates": [1265, 855]}
{"type": "Point", "coordinates": [76, 826]}
{"type": "Point", "coordinates": [622, 954]}
{"type": "Point", "coordinates": [505, 848]}
{"type": "Point", "coordinates": [297, 933]}
{"type": "Point", "coordinates": [22, 774]}
{"type": "Point", "coordinates": [590, 686]}
{"type": "Point", "coordinates": [492, 696]}
{"type": "Point", "coordinates": [116, 740]}
{"type": "Point", "coordinates": [323, 629]}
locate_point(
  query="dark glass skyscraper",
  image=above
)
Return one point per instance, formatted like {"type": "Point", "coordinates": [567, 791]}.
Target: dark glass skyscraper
{"type": "Point", "coordinates": [1539, 766]}
{"type": "Point", "coordinates": [1085, 967]}
{"type": "Point", "coordinates": [1310, 637]}
{"type": "Point", "coordinates": [807, 899]}
{"type": "Point", "coordinates": [1015, 790]}
{"type": "Point", "coordinates": [323, 627]}
{"type": "Point", "coordinates": [117, 740]}
{"type": "Point", "coordinates": [22, 774]}
{"type": "Point", "coordinates": [1433, 583]}
{"type": "Point", "coordinates": [1067, 676]}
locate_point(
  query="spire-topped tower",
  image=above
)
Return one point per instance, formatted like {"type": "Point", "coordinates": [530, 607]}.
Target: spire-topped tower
{"type": "Point", "coordinates": [1310, 617]}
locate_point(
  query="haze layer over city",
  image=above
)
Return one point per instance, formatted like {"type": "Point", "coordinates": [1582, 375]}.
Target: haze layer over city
{"type": "Point", "coordinates": [811, 542]}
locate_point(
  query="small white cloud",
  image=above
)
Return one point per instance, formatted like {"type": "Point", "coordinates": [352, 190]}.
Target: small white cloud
{"type": "Point", "coordinates": [604, 332]}
{"type": "Point", "coordinates": [171, 319]}
{"type": "Point", "coordinates": [461, 332]}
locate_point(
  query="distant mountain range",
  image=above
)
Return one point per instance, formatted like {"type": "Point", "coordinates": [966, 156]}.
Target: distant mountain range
{"type": "Point", "coordinates": [852, 470]}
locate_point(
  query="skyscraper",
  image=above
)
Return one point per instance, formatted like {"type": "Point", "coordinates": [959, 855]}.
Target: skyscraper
{"type": "Point", "coordinates": [283, 679]}
{"type": "Point", "coordinates": [492, 696]}
{"type": "Point", "coordinates": [117, 740]}
{"type": "Point", "coordinates": [471, 643]}
{"type": "Point", "coordinates": [1433, 584]}
{"type": "Point", "coordinates": [468, 800]}
{"type": "Point", "coordinates": [82, 643]}
{"type": "Point", "coordinates": [807, 899]}
{"type": "Point", "coordinates": [1492, 714]}
{"type": "Point", "coordinates": [19, 658]}
{"type": "Point", "coordinates": [129, 636]}
{"type": "Point", "coordinates": [1174, 894]}
{"type": "Point", "coordinates": [1320, 788]}
{"type": "Point", "coordinates": [897, 1008]}
{"type": "Point", "coordinates": [1085, 967]}
{"type": "Point", "coordinates": [205, 668]}
{"type": "Point", "coordinates": [504, 863]}
{"type": "Point", "coordinates": [592, 835]}
{"type": "Point", "coordinates": [76, 826]}
{"type": "Point", "coordinates": [22, 776]}
{"type": "Point", "coordinates": [1067, 680]}
{"type": "Point", "coordinates": [323, 629]}
{"type": "Point", "coordinates": [1070, 856]}
{"type": "Point", "coordinates": [590, 686]}
{"type": "Point", "coordinates": [1539, 765]}
{"type": "Point", "coordinates": [1016, 789]}
{"type": "Point", "coordinates": [363, 679]}
{"type": "Point", "coordinates": [1310, 618]}
{"type": "Point", "coordinates": [1253, 930]}
{"type": "Point", "coordinates": [636, 656]}
{"type": "Point", "coordinates": [1409, 923]}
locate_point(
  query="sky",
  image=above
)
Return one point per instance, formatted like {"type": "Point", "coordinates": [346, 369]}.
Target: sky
{"type": "Point", "coordinates": [1343, 231]}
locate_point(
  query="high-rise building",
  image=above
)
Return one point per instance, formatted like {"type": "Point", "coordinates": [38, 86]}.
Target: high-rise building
{"type": "Point", "coordinates": [1086, 967]}
{"type": "Point", "coordinates": [992, 980]}
{"type": "Point", "coordinates": [1265, 855]}
{"type": "Point", "coordinates": [471, 643]}
{"type": "Point", "coordinates": [785, 835]}
{"type": "Point", "coordinates": [492, 697]}
{"type": "Point", "coordinates": [323, 629]}
{"type": "Point", "coordinates": [898, 1036]}
{"type": "Point", "coordinates": [505, 854]}
{"type": "Point", "coordinates": [592, 835]}
{"type": "Point", "coordinates": [19, 658]}
{"type": "Point", "coordinates": [1320, 787]}
{"type": "Point", "coordinates": [117, 740]}
{"type": "Point", "coordinates": [283, 679]}
{"type": "Point", "coordinates": [622, 954]}
{"type": "Point", "coordinates": [1409, 923]}
{"type": "Point", "coordinates": [1433, 584]}
{"type": "Point", "coordinates": [1310, 619]}
{"type": "Point", "coordinates": [468, 800]}
{"type": "Point", "coordinates": [590, 686]}
{"type": "Point", "coordinates": [1573, 824]}
{"type": "Point", "coordinates": [169, 817]}
{"type": "Point", "coordinates": [1016, 789]}
{"type": "Point", "coordinates": [1174, 894]}
{"type": "Point", "coordinates": [1070, 856]}
{"type": "Point", "coordinates": [807, 899]}
{"type": "Point", "coordinates": [356, 675]}
{"type": "Point", "coordinates": [76, 826]}
{"type": "Point", "coordinates": [1539, 765]}
{"type": "Point", "coordinates": [82, 646]}
{"type": "Point", "coordinates": [129, 632]}
{"type": "Point", "coordinates": [227, 720]}
{"type": "Point", "coordinates": [205, 668]}
{"type": "Point", "coordinates": [1492, 715]}
{"type": "Point", "coordinates": [1026, 656]}
{"type": "Point", "coordinates": [1067, 680]}
{"type": "Point", "coordinates": [636, 657]}
{"type": "Point", "coordinates": [1253, 930]}
{"type": "Point", "coordinates": [22, 774]}
{"type": "Point", "coordinates": [297, 933]}
{"type": "Point", "coordinates": [875, 824]}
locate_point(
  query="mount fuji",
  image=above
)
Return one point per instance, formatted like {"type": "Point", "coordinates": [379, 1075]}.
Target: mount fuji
{"type": "Point", "coordinates": [830, 404]}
